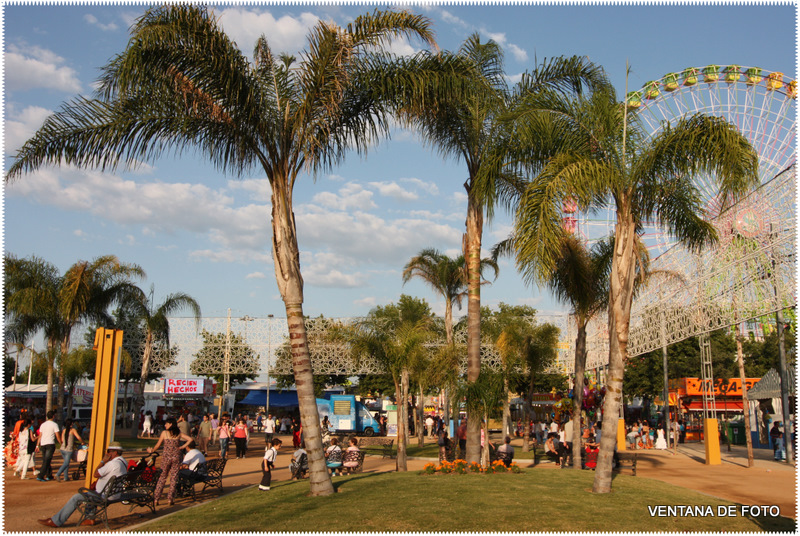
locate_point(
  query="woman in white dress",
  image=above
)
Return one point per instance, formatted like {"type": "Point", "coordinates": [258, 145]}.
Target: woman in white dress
{"type": "Point", "coordinates": [661, 442]}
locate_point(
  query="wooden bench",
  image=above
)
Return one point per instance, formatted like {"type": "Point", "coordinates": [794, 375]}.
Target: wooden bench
{"type": "Point", "coordinates": [384, 442]}
{"type": "Point", "coordinates": [629, 460]}
{"type": "Point", "coordinates": [209, 474]}
{"type": "Point", "coordinates": [136, 488]}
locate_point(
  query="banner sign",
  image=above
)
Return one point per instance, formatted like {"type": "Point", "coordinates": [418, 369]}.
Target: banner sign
{"type": "Point", "coordinates": [184, 387]}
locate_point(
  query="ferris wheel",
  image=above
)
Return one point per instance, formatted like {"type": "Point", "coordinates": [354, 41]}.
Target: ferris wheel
{"type": "Point", "coordinates": [760, 103]}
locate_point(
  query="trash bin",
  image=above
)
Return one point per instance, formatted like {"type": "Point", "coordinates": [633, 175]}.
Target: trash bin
{"type": "Point", "coordinates": [736, 433]}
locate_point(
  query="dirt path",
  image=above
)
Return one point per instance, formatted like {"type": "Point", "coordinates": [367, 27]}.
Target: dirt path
{"type": "Point", "coordinates": [767, 483]}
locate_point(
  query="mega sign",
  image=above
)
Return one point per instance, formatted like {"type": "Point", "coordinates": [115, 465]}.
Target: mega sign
{"type": "Point", "coordinates": [183, 387]}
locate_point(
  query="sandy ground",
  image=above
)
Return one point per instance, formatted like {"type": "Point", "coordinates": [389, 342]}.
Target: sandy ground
{"type": "Point", "coordinates": [767, 483]}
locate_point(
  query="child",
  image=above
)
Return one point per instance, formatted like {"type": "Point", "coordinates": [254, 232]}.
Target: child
{"type": "Point", "coordinates": [268, 464]}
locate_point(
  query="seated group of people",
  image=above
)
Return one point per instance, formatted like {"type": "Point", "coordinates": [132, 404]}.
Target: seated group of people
{"type": "Point", "coordinates": [561, 451]}
{"type": "Point", "coordinates": [338, 462]}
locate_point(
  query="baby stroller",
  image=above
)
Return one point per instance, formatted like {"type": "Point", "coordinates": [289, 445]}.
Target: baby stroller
{"type": "Point", "coordinates": [80, 455]}
{"type": "Point", "coordinates": [146, 464]}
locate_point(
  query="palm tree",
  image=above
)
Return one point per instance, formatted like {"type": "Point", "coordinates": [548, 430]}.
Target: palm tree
{"type": "Point", "coordinates": [394, 335]}
{"type": "Point", "coordinates": [139, 308]}
{"type": "Point", "coordinates": [41, 299]}
{"type": "Point", "coordinates": [605, 155]}
{"type": "Point", "coordinates": [448, 277]}
{"type": "Point", "coordinates": [182, 83]}
{"type": "Point", "coordinates": [473, 128]}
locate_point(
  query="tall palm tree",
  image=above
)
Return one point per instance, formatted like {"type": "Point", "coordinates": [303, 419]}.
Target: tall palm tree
{"type": "Point", "coordinates": [394, 335]}
{"type": "Point", "coordinates": [606, 156]}
{"type": "Point", "coordinates": [448, 277]}
{"type": "Point", "coordinates": [182, 84]}
{"type": "Point", "coordinates": [155, 320]}
{"type": "Point", "coordinates": [40, 298]}
{"type": "Point", "coordinates": [472, 127]}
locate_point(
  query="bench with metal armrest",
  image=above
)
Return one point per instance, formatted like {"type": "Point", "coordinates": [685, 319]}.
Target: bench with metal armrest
{"type": "Point", "coordinates": [136, 488]}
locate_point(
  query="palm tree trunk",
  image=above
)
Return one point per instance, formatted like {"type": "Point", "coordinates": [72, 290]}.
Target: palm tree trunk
{"type": "Point", "coordinates": [620, 300]}
{"type": "Point", "coordinates": [472, 252]}
{"type": "Point", "coordinates": [526, 425]}
{"type": "Point", "coordinates": [420, 418]}
{"type": "Point", "coordinates": [148, 354]}
{"type": "Point", "coordinates": [402, 421]}
{"type": "Point", "coordinates": [506, 410]}
{"type": "Point", "coordinates": [63, 357]}
{"type": "Point", "coordinates": [51, 357]}
{"type": "Point", "coordinates": [485, 449]}
{"type": "Point", "coordinates": [286, 255]}
{"type": "Point", "coordinates": [577, 392]}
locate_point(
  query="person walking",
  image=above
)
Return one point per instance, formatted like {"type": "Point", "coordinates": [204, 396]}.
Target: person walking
{"type": "Point", "coordinates": [27, 446]}
{"type": "Point", "coordinates": [147, 425]}
{"type": "Point", "coordinates": [241, 435]}
{"type": "Point", "coordinates": [225, 432]}
{"type": "Point", "coordinates": [171, 438]}
{"type": "Point", "coordinates": [49, 433]}
{"type": "Point", "coordinates": [461, 435]}
{"type": "Point", "coordinates": [67, 448]}
{"type": "Point", "coordinates": [776, 435]}
{"type": "Point", "coordinates": [268, 464]}
{"type": "Point", "coordinates": [269, 429]}
{"type": "Point", "coordinates": [297, 429]}
{"type": "Point", "coordinates": [204, 434]}
{"type": "Point", "coordinates": [214, 427]}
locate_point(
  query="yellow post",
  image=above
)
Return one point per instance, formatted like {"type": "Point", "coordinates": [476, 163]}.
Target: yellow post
{"type": "Point", "coordinates": [711, 436]}
{"type": "Point", "coordinates": [621, 443]}
{"type": "Point", "coordinates": [107, 343]}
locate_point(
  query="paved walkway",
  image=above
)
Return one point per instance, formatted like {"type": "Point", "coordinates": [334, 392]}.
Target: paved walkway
{"type": "Point", "coordinates": [767, 483]}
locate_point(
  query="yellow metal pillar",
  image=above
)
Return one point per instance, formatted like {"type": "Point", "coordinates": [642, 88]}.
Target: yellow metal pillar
{"type": "Point", "coordinates": [621, 442]}
{"type": "Point", "coordinates": [711, 436]}
{"type": "Point", "coordinates": [108, 344]}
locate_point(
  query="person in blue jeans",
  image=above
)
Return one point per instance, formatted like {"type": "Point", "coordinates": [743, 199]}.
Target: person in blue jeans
{"type": "Point", "coordinates": [113, 464]}
{"type": "Point", "coordinates": [49, 434]}
{"type": "Point", "coordinates": [68, 437]}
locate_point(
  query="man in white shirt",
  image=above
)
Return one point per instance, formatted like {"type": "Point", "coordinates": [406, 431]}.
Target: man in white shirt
{"type": "Point", "coordinates": [112, 464]}
{"type": "Point", "coordinates": [191, 460]}
{"type": "Point", "coordinates": [269, 428]}
{"type": "Point", "coordinates": [48, 434]}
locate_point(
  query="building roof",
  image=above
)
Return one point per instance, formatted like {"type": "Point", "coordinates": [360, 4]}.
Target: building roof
{"type": "Point", "coordinates": [768, 387]}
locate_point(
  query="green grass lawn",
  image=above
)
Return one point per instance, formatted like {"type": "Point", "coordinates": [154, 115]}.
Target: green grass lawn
{"type": "Point", "coordinates": [131, 443]}
{"type": "Point", "coordinates": [431, 450]}
{"type": "Point", "coordinates": [535, 501]}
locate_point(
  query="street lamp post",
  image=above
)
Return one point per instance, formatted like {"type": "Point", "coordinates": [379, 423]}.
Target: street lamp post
{"type": "Point", "coordinates": [269, 354]}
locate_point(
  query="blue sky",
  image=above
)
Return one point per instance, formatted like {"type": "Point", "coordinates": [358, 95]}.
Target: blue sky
{"type": "Point", "coordinates": [197, 231]}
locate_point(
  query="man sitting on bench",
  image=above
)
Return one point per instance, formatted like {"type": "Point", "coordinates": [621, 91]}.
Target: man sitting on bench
{"type": "Point", "coordinates": [113, 464]}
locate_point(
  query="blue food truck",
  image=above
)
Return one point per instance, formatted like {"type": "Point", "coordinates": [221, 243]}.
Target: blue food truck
{"type": "Point", "coordinates": [347, 415]}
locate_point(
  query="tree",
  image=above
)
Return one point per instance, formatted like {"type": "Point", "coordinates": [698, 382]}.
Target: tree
{"type": "Point", "coordinates": [41, 299]}
{"type": "Point", "coordinates": [448, 277]}
{"type": "Point", "coordinates": [217, 354]}
{"type": "Point", "coordinates": [183, 84]}
{"type": "Point", "coordinates": [152, 322]}
{"type": "Point", "coordinates": [535, 345]}
{"type": "Point", "coordinates": [474, 128]}
{"type": "Point", "coordinates": [601, 154]}
{"type": "Point", "coordinates": [395, 335]}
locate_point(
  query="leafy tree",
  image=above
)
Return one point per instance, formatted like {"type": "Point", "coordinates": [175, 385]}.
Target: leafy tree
{"type": "Point", "coordinates": [241, 359]}
{"type": "Point", "coordinates": [473, 128]}
{"type": "Point", "coordinates": [38, 298]}
{"type": "Point", "coordinates": [395, 335]}
{"type": "Point", "coordinates": [374, 385]}
{"type": "Point", "coordinates": [602, 154]}
{"type": "Point", "coordinates": [182, 84]}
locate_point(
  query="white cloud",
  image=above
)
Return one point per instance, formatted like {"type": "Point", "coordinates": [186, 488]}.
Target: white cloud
{"type": "Point", "coordinates": [33, 67]}
{"type": "Point", "coordinates": [255, 275]}
{"type": "Point", "coordinates": [78, 233]}
{"type": "Point", "coordinates": [286, 34]}
{"type": "Point", "coordinates": [428, 187]}
{"type": "Point", "coordinates": [460, 197]}
{"type": "Point", "coordinates": [352, 196]}
{"type": "Point", "coordinates": [519, 53]}
{"type": "Point", "coordinates": [91, 19]}
{"type": "Point", "coordinates": [394, 190]}
{"type": "Point", "coordinates": [259, 189]}
{"type": "Point", "coordinates": [369, 301]}
{"type": "Point", "coordinates": [241, 232]}
{"type": "Point", "coordinates": [514, 78]}
{"type": "Point", "coordinates": [20, 126]}
{"type": "Point", "coordinates": [449, 18]}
